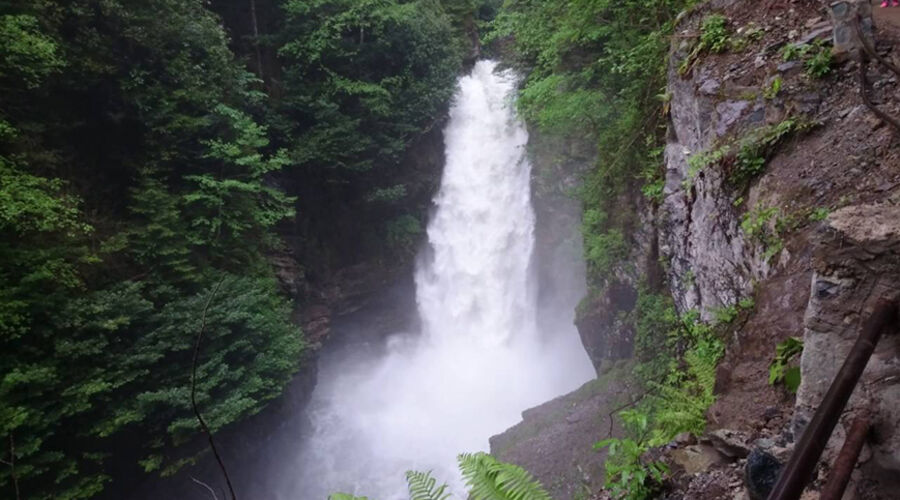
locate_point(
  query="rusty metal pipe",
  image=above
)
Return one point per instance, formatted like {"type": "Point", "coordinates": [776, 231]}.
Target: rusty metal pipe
{"type": "Point", "coordinates": [846, 460]}
{"type": "Point", "coordinates": [798, 470]}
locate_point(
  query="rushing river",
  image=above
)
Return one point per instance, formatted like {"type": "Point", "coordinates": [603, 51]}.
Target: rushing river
{"type": "Point", "coordinates": [479, 359]}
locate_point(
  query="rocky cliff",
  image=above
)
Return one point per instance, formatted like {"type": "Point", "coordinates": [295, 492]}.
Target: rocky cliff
{"type": "Point", "coordinates": [780, 185]}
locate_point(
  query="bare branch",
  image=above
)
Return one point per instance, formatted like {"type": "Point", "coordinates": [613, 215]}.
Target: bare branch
{"type": "Point", "coordinates": [208, 487]}
{"type": "Point", "coordinates": [12, 466]}
{"type": "Point", "coordinates": [196, 409]}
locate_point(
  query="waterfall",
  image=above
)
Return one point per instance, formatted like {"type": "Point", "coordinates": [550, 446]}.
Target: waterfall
{"type": "Point", "coordinates": [475, 286]}
{"type": "Point", "coordinates": [479, 360]}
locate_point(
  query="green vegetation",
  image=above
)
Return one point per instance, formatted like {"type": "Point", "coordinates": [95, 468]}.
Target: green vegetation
{"type": "Point", "coordinates": [771, 92]}
{"type": "Point", "coordinates": [678, 355]}
{"type": "Point", "coordinates": [142, 165]}
{"type": "Point", "coordinates": [486, 477]}
{"type": "Point", "coordinates": [714, 39]}
{"type": "Point", "coordinates": [782, 370]}
{"type": "Point", "coordinates": [603, 247]}
{"type": "Point", "coordinates": [745, 158]}
{"type": "Point", "coordinates": [819, 214]}
{"type": "Point", "coordinates": [600, 82]}
{"type": "Point", "coordinates": [424, 487]}
{"type": "Point", "coordinates": [490, 479]}
{"type": "Point", "coordinates": [768, 226]}
{"type": "Point", "coordinates": [628, 476]}
{"type": "Point", "coordinates": [727, 314]}
{"type": "Point", "coordinates": [765, 226]}
{"type": "Point", "coordinates": [817, 57]}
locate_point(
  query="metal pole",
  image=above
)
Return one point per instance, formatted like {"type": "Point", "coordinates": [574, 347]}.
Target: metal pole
{"type": "Point", "coordinates": [798, 471]}
{"type": "Point", "coordinates": [846, 460]}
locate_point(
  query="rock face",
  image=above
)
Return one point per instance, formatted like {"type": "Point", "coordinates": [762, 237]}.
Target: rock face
{"type": "Point", "coordinates": [555, 440]}
{"type": "Point", "coordinates": [710, 264]}
{"type": "Point", "coordinates": [856, 262]}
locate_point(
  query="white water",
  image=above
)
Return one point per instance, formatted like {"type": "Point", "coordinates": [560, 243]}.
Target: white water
{"type": "Point", "coordinates": [480, 359]}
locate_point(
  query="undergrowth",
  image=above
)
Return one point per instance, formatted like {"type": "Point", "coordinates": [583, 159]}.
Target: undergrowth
{"type": "Point", "coordinates": [746, 157]}
{"type": "Point", "coordinates": [678, 355]}
{"type": "Point", "coordinates": [817, 57]}
{"type": "Point", "coordinates": [768, 226]}
{"type": "Point", "coordinates": [783, 369]}
{"type": "Point", "coordinates": [714, 39]}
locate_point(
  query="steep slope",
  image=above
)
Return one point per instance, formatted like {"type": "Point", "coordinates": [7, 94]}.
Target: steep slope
{"type": "Point", "coordinates": [774, 221]}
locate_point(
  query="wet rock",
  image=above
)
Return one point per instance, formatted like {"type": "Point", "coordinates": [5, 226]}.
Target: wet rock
{"type": "Point", "coordinates": [554, 441]}
{"type": "Point", "coordinates": [729, 112]}
{"type": "Point", "coordinates": [710, 86]}
{"type": "Point", "coordinates": [821, 33]}
{"type": "Point", "coordinates": [684, 439]}
{"type": "Point", "coordinates": [699, 229]}
{"type": "Point", "coordinates": [732, 444]}
{"type": "Point", "coordinates": [789, 66]}
{"type": "Point", "coordinates": [760, 474]}
{"type": "Point", "coordinates": [696, 458]}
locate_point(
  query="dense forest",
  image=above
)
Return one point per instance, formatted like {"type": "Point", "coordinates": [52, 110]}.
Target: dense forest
{"type": "Point", "coordinates": [154, 154]}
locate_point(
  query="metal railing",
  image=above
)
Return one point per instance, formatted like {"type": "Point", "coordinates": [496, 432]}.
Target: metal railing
{"type": "Point", "coordinates": [799, 468]}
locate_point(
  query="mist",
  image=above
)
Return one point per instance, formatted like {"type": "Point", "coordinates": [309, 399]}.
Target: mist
{"type": "Point", "coordinates": [416, 399]}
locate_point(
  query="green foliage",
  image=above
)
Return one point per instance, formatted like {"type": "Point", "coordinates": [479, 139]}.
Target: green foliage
{"type": "Point", "coordinates": [687, 392]}
{"type": "Point", "coordinates": [628, 476]}
{"type": "Point", "coordinates": [755, 148]}
{"type": "Point", "coordinates": [714, 39]}
{"type": "Point", "coordinates": [727, 314]}
{"type": "Point", "coordinates": [393, 193]}
{"type": "Point", "coordinates": [403, 233]}
{"type": "Point", "coordinates": [424, 487]}
{"type": "Point", "coordinates": [817, 57]}
{"type": "Point", "coordinates": [602, 247]}
{"type": "Point", "coordinates": [490, 479]}
{"type": "Point", "coordinates": [765, 226]}
{"type": "Point", "coordinates": [362, 81]}
{"type": "Point", "coordinates": [746, 157]}
{"type": "Point", "coordinates": [487, 478]}
{"type": "Point", "coordinates": [819, 214]}
{"type": "Point", "coordinates": [133, 176]}
{"type": "Point", "coordinates": [793, 51]}
{"type": "Point", "coordinates": [714, 33]}
{"type": "Point", "coordinates": [781, 370]}
{"type": "Point", "coordinates": [678, 355]}
{"type": "Point", "coordinates": [599, 82]}
{"type": "Point", "coordinates": [27, 55]}
{"type": "Point", "coordinates": [771, 92]}
{"type": "Point", "coordinates": [768, 226]}
{"type": "Point", "coordinates": [701, 160]}
{"type": "Point", "coordinates": [820, 63]}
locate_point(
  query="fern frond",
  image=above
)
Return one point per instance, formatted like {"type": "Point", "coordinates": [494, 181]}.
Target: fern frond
{"type": "Point", "coordinates": [344, 496]}
{"type": "Point", "coordinates": [424, 487]}
{"type": "Point", "coordinates": [490, 479]}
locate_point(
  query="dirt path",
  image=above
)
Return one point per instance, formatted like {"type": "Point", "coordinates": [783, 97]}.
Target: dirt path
{"type": "Point", "coordinates": [883, 17]}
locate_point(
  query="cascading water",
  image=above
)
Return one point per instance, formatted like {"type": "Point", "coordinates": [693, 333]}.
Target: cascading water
{"type": "Point", "coordinates": [480, 359]}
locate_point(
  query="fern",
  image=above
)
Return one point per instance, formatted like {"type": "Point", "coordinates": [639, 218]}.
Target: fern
{"type": "Point", "coordinates": [490, 479]}
{"type": "Point", "coordinates": [344, 496]}
{"type": "Point", "coordinates": [686, 394]}
{"type": "Point", "coordinates": [424, 487]}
